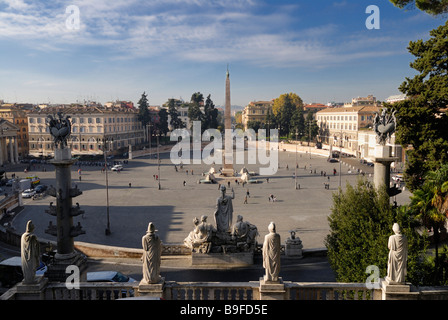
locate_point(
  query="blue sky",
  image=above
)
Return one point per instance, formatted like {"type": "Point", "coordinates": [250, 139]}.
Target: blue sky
{"type": "Point", "coordinates": [319, 49]}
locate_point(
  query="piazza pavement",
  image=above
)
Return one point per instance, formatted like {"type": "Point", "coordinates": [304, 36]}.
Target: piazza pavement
{"type": "Point", "coordinates": [173, 207]}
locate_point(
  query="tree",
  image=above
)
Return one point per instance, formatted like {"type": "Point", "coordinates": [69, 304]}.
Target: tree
{"type": "Point", "coordinates": [432, 7]}
{"type": "Point", "coordinates": [162, 126]}
{"type": "Point", "coordinates": [422, 122]}
{"type": "Point", "coordinates": [361, 222]}
{"type": "Point", "coordinates": [210, 114]}
{"type": "Point", "coordinates": [430, 205]}
{"type": "Point", "coordinates": [284, 109]}
{"type": "Point", "coordinates": [143, 112]}
{"type": "Point", "coordinates": [175, 121]}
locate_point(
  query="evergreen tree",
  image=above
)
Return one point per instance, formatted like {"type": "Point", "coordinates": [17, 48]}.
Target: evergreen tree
{"type": "Point", "coordinates": [421, 119]}
{"type": "Point", "coordinates": [360, 225]}
{"type": "Point", "coordinates": [175, 121]}
{"type": "Point", "coordinates": [162, 126]}
{"type": "Point", "coordinates": [143, 112]}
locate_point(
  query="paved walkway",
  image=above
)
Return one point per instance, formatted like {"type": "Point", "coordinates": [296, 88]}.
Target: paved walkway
{"type": "Point", "coordinates": [173, 208]}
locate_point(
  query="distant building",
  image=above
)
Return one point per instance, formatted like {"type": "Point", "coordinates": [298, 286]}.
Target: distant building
{"type": "Point", "coordinates": [370, 100]}
{"type": "Point", "coordinates": [314, 107]}
{"type": "Point", "coordinates": [340, 126]}
{"type": "Point", "coordinates": [396, 98]}
{"type": "Point", "coordinates": [256, 111]}
{"type": "Point", "coordinates": [17, 114]}
{"type": "Point", "coordinates": [8, 142]}
{"type": "Point", "coordinates": [91, 127]}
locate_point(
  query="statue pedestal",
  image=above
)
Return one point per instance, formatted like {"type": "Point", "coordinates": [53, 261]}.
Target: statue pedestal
{"type": "Point", "coordinates": [381, 168]}
{"type": "Point", "coordinates": [392, 290]}
{"type": "Point", "coordinates": [236, 259]}
{"type": "Point", "coordinates": [57, 269]}
{"type": "Point", "coordinates": [293, 248]}
{"type": "Point", "coordinates": [152, 290]}
{"type": "Point", "coordinates": [272, 290]}
{"type": "Point", "coordinates": [32, 291]}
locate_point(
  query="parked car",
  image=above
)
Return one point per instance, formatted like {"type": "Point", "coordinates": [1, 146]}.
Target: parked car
{"type": "Point", "coordinates": [117, 167]}
{"type": "Point", "coordinates": [28, 193]}
{"type": "Point", "coordinates": [11, 271]}
{"type": "Point", "coordinates": [108, 276]}
{"type": "Point", "coordinates": [333, 160]}
{"type": "Point", "coordinates": [40, 188]}
{"type": "Point", "coordinates": [398, 177]}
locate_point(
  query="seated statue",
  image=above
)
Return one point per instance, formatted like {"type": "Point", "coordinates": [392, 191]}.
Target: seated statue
{"type": "Point", "coordinates": [199, 240]}
{"type": "Point", "coordinates": [244, 233]}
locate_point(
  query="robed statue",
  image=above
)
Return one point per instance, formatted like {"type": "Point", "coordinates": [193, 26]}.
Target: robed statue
{"type": "Point", "coordinates": [398, 255]}
{"type": "Point", "coordinates": [224, 211]}
{"type": "Point", "coordinates": [271, 254]}
{"type": "Point", "coordinates": [30, 253]}
{"type": "Point", "coordinates": [152, 255]}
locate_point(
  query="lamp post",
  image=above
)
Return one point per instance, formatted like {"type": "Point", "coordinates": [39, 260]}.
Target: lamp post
{"type": "Point", "coordinates": [295, 169]}
{"type": "Point", "coordinates": [158, 159]}
{"type": "Point", "coordinates": [105, 140]}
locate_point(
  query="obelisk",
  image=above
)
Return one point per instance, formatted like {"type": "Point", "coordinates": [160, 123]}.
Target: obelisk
{"type": "Point", "coordinates": [228, 140]}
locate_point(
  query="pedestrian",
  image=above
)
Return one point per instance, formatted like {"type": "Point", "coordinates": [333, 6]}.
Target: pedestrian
{"type": "Point", "coordinates": [129, 185]}
{"type": "Point", "coordinates": [228, 184]}
{"type": "Point", "coordinates": [247, 193]}
{"type": "Point", "coordinates": [245, 200]}
{"type": "Point", "coordinates": [79, 178]}
{"type": "Point", "coordinates": [185, 183]}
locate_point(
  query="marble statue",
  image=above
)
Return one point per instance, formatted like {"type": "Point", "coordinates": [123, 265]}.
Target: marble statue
{"type": "Point", "coordinates": [152, 255]}
{"type": "Point", "coordinates": [398, 254]}
{"type": "Point", "coordinates": [244, 231]}
{"type": "Point", "coordinates": [30, 253]}
{"type": "Point", "coordinates": [271, 254]}
{"type": "Point", "coordinates": [193, 235]}
{"type": "Point", "coordinates": [224, 211]}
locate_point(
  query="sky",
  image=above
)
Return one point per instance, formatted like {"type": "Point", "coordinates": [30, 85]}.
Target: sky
{"type": "Point", "coordinates": [100, 50]}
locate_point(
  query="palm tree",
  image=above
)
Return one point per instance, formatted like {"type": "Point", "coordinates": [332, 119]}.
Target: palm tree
{"type": "Point", "coordinates": [431, 204]}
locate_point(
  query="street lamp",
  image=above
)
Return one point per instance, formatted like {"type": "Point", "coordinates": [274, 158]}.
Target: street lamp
{"type": "Point", "coordinates": [105, 140]}
{"type": "Point", "coordinates": [295, 169]}
{"type": "Point", "coordinates": [158, 159]}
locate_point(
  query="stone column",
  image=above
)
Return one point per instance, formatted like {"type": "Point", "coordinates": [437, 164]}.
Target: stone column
{"type": "Point", "coordinates": [64, 229]}
{"type": "Point", "coordinates": [11, 151]}
{"type": "Point", "coordinates": [16, 150]}
{"type": "Point", "coordinates": [1, 151]}
{"type": "Point", "coordinates": [381, 169]}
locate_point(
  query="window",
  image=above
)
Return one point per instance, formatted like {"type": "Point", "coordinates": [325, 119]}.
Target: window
{"type": "Point", "coordinates": [98, 120]}
{"type": "Point", "coordinates": [89, 120]}
{"type": "Point", "coordinates": [73, 120]}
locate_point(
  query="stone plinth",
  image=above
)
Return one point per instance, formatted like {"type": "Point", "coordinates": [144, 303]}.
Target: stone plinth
{"type": "Point", "coordinates": [293, 248]}
{"type": "Point", "coordinates": [32, 291]}
{"type": "Point", "coordinates": [272, 290]}
{"type": "Point", "coordinates": [57, 269]}
{"type": "Point", "coordinates": [236, 259]}
{"type": "Point", "coordinates": [153, 290]}
{"type": "Point", "coordinates": [381, 169]}
{"type": "Point", "coordinates": [391, 290]}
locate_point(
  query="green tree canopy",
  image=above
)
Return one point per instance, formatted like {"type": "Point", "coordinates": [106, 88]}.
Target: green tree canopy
{"type": "Point", "coordinates": [432, 7]}
{"type": "Point", "coordinates": [422, 122]}
{"type": "Point", "coordinates": [143, 112]}
{"type": "Point", "coordinates": [284, 110]}
{"type": "Point", "coordinates": [361, 222]}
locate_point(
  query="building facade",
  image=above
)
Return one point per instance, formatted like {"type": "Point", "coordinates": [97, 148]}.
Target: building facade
{"type": "Point", "coordinates": [18, 116]}
{"type": "Point", "coordinates": [92, 128]}
{"type": "Point", "coordinates": [9, 152]}
{"type": "Point", "coordinates": [340, 126]}
{"type": "Point", "coordinates": [256, 111]}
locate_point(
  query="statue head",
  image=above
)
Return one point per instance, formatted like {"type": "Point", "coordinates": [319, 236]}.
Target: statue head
{"type": "Point", "coordinates": [29, 226]}
{"type": "Point", "coordinates": [151, 228]}
{"type": "Point", "coordinates": [396, 228]}
{"type": "Point", "coordinates": [204, 218]}
{"type": "Point", "coordinates": [223, 188]}
{"type": "Point", "coordinates": [239, 218]}
{"type": "Point", "coordinates": [271, 227]}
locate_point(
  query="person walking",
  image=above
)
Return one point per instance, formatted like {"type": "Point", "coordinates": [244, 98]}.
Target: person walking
{"type": "Point", "coordinates": [245, 200]}
{"type": "Point", "coordinates": [247, 193]}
